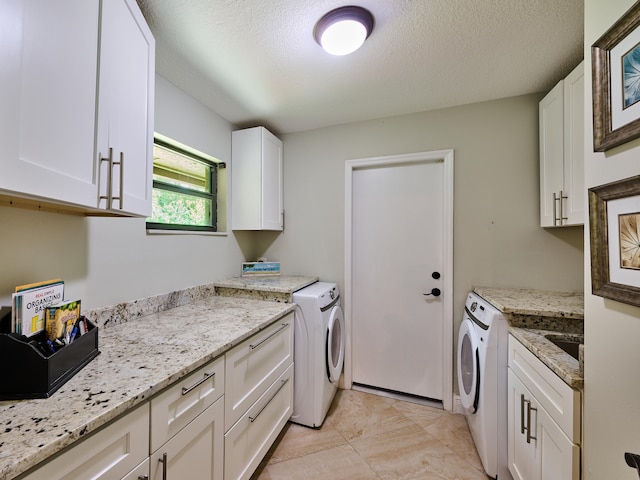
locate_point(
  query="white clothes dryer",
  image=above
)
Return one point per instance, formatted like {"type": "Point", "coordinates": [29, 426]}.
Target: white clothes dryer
{"type": "Point", "coordinates": [318, 351]}
{"type": "Point", "coordinates": [482, 381]}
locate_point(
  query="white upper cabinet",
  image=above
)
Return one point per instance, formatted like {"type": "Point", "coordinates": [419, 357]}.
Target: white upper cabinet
{"type": "Point", "coordinates": [125, 109]}
{"type": "Point", "coordinates": [48, 78]}
{"type": "Point", "coordinates": [256, 180]}
{"type": "Point", "coordinates": [72, 78]}
{"type": "Point", "coordinates": [562, 192]}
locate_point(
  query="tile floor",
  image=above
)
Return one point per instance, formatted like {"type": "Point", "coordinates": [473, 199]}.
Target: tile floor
{"type": "Point", "coordinates": [367, 436]}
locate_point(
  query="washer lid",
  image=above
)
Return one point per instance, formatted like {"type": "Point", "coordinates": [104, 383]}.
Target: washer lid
{"type": "Point", "coordinates": [335, 344]}
{"type": "Point", "coordinates": [468, 365]}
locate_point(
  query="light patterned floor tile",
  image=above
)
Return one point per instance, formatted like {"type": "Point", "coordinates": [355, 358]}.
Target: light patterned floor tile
{"type": "Point", "coordinates": [338, 463]}
{"type": "Point", "coordinates": [366, 436]}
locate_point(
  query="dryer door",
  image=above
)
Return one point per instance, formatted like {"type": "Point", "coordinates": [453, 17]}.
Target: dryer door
{"type": "Point", "coordinates": [468, 365]}
{"type": "Point", "coordinates": [335, 344]}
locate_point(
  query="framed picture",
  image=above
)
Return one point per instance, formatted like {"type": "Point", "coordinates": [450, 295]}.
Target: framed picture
{"type": "Point", "coordinates": [616, 83]}
{"type": "Point", "coordinates": [614, 216]}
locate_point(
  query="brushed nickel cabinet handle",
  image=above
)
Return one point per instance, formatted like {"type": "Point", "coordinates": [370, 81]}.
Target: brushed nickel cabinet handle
{"type": "Point", "coordinates": [555, 209]}
{"type": "Point", "coordinates": [121, 194]}
{"type": "Point", "coordinates": [186, 390]}
{"type": "Point", "coordinates": [252, 346]}
{"type": "Point", "coordinates": [109, 196]}
{"type": "Point", "coordinates": [529, 408]}
{"type": "Point", "coordinates": [253, 419]}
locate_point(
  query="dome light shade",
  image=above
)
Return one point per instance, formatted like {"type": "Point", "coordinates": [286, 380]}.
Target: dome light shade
{"type": "Point", "coordinates": [343, 30]}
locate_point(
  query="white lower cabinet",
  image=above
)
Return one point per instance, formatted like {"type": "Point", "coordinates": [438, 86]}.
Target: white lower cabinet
{"type": "Point", "coordinates": [109, 454]}
{"type": "Point", "coordinates": [253, 365]}
{"type": "Point", "coordinates": [258, 396]}
{"type": "Point", "coordinates": [194, 452]}
{"type": "Point", "coordinates": [141, 472]}
{"type": "Point", "coordinates": [247, 442]}
{"type": "Point", "coordinates": [543, 420]}
{"type": "Point", "coordinates": [180, 433]}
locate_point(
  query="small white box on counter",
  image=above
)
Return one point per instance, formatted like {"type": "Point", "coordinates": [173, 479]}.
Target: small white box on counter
{"type": "Point", "coordinates": [260, 268]}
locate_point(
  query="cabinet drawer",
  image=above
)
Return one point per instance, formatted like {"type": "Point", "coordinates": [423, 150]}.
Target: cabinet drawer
{"type": "Point", "coordinates": [196, 452]}
{"type": "Point", "coordinates": [561, 402]}
{"type": "Point", "coordinates": [251, 437]}
{"type": "Point", "coordinates": [252, 366]}
{"type": "Point", "coordinates": [174, 408]}
{"type": "Point", "coordinates": [109, 454]}
{"type": "Point", "coordinates": [139, 473]}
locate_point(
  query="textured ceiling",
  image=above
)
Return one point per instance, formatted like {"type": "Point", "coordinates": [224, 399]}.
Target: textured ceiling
{"type": "Point", "coordinates": [255, 62]}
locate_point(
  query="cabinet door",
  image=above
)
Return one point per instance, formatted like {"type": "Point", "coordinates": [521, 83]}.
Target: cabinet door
{"type": "Point", "coordinates": [141, 472]}
{"type": "Point", "coordinates": [256, 180]}
{"type": "Point", "coordinates": [272, 204]}
{"type": "Point", "coordinates": [181, 403]}
{"type": "Point", "coordinates": [523, 459]}
{"type": "Point", "coordinates": [110, 454]}
{"type": "Point", "coordinates": [125, 108]}
{"type": "Point", "coordinates": [551, 123]}
{"type": "Point", "coordinates": [197, 451]}
{"type": "Point", "coordinates": [574, 206]}
{"type": "Point", "coordinates": [48, 75]}
{"type": "Point", "coordinates": [559, 457]}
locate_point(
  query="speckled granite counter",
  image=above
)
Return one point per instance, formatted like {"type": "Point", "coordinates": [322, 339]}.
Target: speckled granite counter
{"type": "Point", "coordinates": [534, 302]}
{"type": "Point", "coordinates": [560, 362]}
{"type": "Point", "coordinates": [275, 288]}
{"type": "Point", "coordinates": [138, 359]}
{"type": "Point", "coordinates": [534, 313]}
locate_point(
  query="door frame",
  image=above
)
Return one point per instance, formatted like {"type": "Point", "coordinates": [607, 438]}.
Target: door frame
{"type": "Point", "coordinates": [445, 156]}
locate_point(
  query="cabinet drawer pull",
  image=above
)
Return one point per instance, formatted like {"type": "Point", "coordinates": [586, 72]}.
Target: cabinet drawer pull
{"type": "Point", "coordinates": [253, 419]}
{"type": "Point", "coordinates": [252, 346]}
{"type": "Point", "coordinates": [186, 390]}
{"type": "Point", "coordinates": [529, 408]}
{"type": "Point", "coordinates": [164, 462]}
{"type": "Point", "coordinates": [143, 477]}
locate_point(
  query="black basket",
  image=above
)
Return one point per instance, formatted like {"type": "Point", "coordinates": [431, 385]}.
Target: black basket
{"type": "Point", "coordinates": [26, 372]}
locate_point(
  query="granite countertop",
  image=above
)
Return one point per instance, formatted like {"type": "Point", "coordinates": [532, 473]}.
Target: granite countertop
{"type": "Point", "coordinates": [137, 360]}
{"type": "Point", "coordinates": [534, 302]}
{"type": "Point", "coordinates": [560, 362]}
{"type": "Point", "coordinates": [532, 314]}
{"type": "Point", "coordinates": [275, 288]}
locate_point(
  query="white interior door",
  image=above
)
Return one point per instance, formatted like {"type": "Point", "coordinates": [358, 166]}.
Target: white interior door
{"type": "Point", "coordinates": [400, 250]}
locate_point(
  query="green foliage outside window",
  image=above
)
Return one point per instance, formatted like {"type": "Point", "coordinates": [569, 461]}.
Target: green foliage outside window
{"type": "Point", "coordinates": [184, 190]}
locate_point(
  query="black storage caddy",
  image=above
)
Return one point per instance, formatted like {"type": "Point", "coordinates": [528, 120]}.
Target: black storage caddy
{"type": "Point", "coordinates": [25, 372]}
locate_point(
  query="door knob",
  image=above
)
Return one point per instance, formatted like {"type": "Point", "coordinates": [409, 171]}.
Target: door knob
{"type": "Point", "coordinates": [434, 291]}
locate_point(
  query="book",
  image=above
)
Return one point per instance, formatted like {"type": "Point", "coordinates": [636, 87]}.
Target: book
{"type": "Point", "coordinates": [60, 319]}
{"type": "Point", "coordinates": [29, 306]}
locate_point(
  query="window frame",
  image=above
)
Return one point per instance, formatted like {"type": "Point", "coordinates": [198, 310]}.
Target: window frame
{"type": "Point", "coordinates": [211, 194]}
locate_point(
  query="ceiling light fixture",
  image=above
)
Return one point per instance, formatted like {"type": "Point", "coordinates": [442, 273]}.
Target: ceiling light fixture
{"type": "Point", "coordinates": [342, 31]}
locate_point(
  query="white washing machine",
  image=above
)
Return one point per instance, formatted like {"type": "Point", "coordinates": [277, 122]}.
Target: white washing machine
{"type": "Point", "coordinates": [318, 351]}
{"type": "Point", "coordinates": [482, 381]}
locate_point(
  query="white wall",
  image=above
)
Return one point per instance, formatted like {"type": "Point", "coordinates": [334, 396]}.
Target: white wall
{"type": "Point", "coordinates": [496, 207]}
{"type": "Point", "coordinates": [612, 329]}
{"type": "Point", "coordinates": [109, 260]}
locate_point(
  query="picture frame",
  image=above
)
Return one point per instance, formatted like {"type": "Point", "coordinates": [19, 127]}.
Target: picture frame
{"type": "Point", "coordinates": [616, 95]}
{"type": "Point", "coordinates": [614, 217]}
